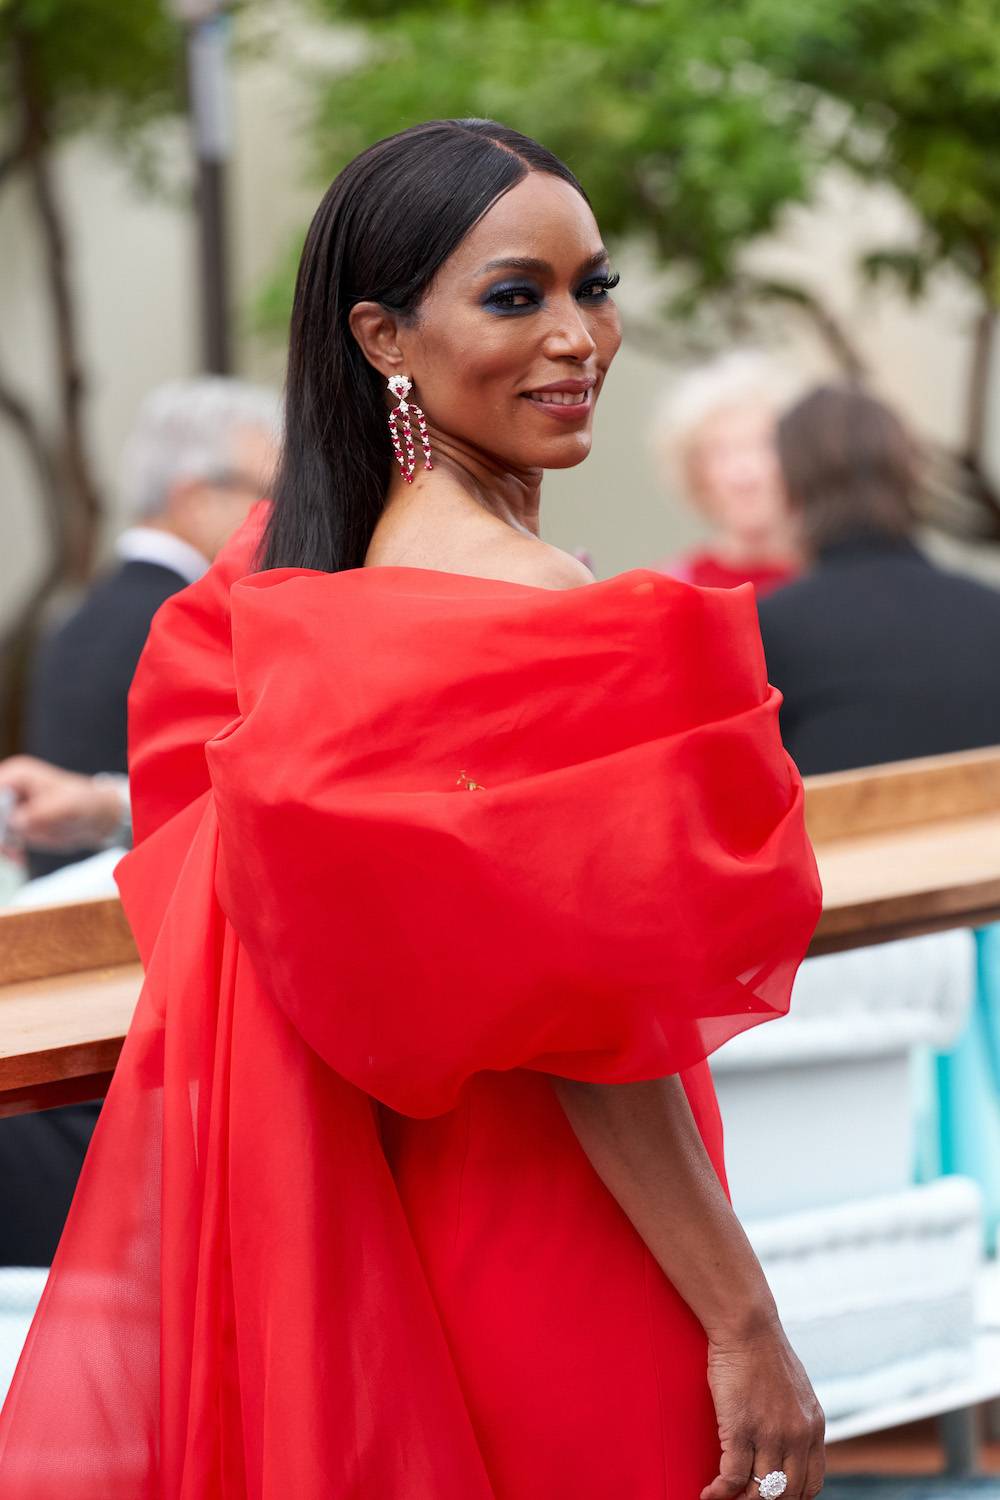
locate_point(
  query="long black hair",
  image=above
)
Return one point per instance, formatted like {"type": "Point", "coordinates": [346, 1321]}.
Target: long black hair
{"type": "Point", "coordinates": [386, 224]}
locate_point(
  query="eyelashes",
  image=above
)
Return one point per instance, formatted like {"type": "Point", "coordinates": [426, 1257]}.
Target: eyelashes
{"type": "Point", "coordinates": [505, 299]}
{"type": "Point", "coordinates": [605, 284]}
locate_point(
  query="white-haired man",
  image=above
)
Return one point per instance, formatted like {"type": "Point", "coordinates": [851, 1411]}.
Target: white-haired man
{"type": "Point", "coordinates": [202, 451]}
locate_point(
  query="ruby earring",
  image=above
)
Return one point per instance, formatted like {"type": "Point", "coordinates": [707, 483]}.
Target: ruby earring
{"type": "Point", "coordinates": [401, 430]}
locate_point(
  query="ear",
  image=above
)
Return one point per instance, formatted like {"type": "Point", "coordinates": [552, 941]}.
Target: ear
{"type": "Point", "coordinates": [377, 334]}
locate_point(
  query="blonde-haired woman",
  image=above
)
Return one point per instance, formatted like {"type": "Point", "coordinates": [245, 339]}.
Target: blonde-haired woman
{"type": "Point", "coordinates": [713, 436]}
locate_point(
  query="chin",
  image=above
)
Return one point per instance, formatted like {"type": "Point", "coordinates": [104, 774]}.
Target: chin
{"type": "Point", "coordinates": [569, 451]}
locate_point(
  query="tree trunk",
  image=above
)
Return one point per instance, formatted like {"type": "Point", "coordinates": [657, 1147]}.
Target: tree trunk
{"type": "Point", "coordinates": [977, 413]}
{"type": "Point", "coordinates": [60, 464]}
{"type": "Point", "coordinates": [83, 509]}
{"type": "Point", "coordinates": [972, 457]}
{"type": "Point", "coordinates": [973, 454]}
{"type": "Point", "coordinates": [832, 332]}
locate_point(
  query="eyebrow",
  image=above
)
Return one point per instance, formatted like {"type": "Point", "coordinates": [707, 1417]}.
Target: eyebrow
{"type": "Point", "coordinates": [529, 263]}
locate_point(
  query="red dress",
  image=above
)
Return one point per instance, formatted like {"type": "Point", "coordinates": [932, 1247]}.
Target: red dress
{"type": "Point", "coordinates": [711, 572]}
{"type": "Point", "coordinates": [408, 842]}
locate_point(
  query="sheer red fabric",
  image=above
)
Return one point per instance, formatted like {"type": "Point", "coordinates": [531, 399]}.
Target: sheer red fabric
{"type": "Point", "coordinates": [410, 841]}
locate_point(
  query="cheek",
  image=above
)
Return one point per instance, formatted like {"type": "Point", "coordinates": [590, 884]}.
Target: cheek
{"type": "Point", "coordinates": [606, 331]}
{"type": "Point", "coordinates": [479, 367]}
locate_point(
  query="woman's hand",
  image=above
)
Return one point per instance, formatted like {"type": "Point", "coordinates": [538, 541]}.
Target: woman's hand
{"type": "Point", "coordinates": [768, 1415]}
{"type": "Point", "coordinates": [643, 1143]}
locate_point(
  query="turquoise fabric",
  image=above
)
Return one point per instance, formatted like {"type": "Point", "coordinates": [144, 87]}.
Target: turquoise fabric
{"type": "Point", "coordinates": [958, 1093]}
{"type": "Point", "coordinates": [902, 1488]}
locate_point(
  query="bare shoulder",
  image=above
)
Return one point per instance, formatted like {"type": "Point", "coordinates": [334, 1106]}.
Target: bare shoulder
{"type": "Point", "coordinates": [478, 545]}
{"type": "Point", "coordinates": [539, 564]}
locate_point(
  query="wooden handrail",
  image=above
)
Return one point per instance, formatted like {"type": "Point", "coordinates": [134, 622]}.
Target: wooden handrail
{"type": "Point", "coordinates": [69, 980]}
{"type": "Point", "coordinates": [37, 942]}
{"type": "Point", "coordinates": [903, 794]}
{"type": "Point", "coordinates": [906, 848]}
{"type": "Point", "coordinates": [902, 849]}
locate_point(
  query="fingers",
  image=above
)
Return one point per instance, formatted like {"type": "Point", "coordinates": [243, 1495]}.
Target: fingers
{"type": "Point", "coordinates": [22, 773]}
{"type": "Point", "coordinates": [768, 1461]}
{"type": "Point", "coordinates": [735, 1468]}
{"type": "Point", "coordinates": [55, 809]}
{"type": "Point", "coordinates": [37, 816]}
{"type": "Point", "coordinates": [806, 1465]}
{"type": "Point", "coordinates": [803, 1467]}
{"type": "Point", "coordinates": [815, 1470]}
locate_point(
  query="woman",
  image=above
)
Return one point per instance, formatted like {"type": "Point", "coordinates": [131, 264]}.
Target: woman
{"type": "Point", "coordinates": [409, 1186]}
{"type": "Point", "coordinates": [715, 436]}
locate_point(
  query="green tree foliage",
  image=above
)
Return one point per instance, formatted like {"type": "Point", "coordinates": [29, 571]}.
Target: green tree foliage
{"type": "Point", "coordinates": [661, 108]}
{"type": "Point", "coordinates": [695, 124]}
{"type": "Point", "coordinates": [67, 66]}
{"type": "Point", "coordinates": [94, 63]}
{"type": "Point", "coordinates": [919, 81]}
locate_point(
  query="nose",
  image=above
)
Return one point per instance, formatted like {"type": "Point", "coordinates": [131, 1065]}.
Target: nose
{"type": "Point", "coordinates": [569, 337]}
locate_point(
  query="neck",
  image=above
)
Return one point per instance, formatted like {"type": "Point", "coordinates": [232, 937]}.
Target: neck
{"type": "Point", "coordinates": [467, 476]}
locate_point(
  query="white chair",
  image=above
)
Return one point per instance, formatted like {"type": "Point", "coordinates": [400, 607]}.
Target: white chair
{"type": "Point", "coordinates": [876, 1279]}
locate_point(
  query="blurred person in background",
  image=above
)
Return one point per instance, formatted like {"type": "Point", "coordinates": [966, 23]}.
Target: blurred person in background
{"type": "Point", "coordinates": [880, 654]}
{"type": "Point", "coordinates": [714, 439]}
{"type": "Point", "coordinates": [883, 656]}
{"type": "Point", "coordinates": [201, 453]}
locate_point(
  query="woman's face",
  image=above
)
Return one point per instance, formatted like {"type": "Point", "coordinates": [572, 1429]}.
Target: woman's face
{"type": "Point", "coordinates": [513, 339]}
{"type": "Point", "coordinates": [733, 470]}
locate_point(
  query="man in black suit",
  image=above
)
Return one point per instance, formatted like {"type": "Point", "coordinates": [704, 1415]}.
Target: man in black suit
{"type": "Point", "coordinates": [201, 454]}
{"type": "Point", "coordinates": [880, 654]}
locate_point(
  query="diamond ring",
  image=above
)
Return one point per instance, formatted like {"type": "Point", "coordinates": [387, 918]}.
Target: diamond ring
{"type": "Point", "coordinates": [773, 1484]}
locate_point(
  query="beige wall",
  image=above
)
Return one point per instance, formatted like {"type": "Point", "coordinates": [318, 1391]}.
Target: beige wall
{"type": "Point", "coordinates": [133, 267]}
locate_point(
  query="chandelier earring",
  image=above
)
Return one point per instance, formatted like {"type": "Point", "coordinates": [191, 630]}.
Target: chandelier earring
{"type": "Point", "coordinates": [401, 429]}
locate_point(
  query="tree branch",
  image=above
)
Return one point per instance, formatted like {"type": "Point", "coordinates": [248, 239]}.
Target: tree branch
{"type": "Point", "coordinates": [19, 634]}
{"type": "Point", "coordinates": [977, 412]}
{"type": "Point", "coordinates": [82, 517]}
{"type": "Point", "coordinates": [40, 460]}
{"type": "Point", "coordinates": [11, 158]}
{"type": "Point", "coordinates": [829, 327]}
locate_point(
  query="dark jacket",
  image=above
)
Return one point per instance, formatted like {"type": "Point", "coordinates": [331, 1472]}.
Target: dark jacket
{"type": "Point", "coordinates": [882, 656]}
{"type": "Point", "coordinates": [79, 688]}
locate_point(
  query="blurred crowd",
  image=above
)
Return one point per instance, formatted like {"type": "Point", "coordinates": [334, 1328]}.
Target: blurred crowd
{"type": "Point", "coordinates": [881, 654]}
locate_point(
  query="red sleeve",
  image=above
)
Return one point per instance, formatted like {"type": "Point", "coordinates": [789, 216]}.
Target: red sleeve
{"type": "Point", "coordinates": [472, 826]}
{"type": "Point", "coordinates": [183, 690]}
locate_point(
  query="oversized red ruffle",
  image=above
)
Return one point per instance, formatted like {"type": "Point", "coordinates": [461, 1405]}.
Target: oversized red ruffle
{"type": "Point", "coordinates": [408, 841]}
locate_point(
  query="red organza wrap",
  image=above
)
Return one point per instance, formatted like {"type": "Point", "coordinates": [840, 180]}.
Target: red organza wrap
{"type": "Point", "coordinates": [406, 839]}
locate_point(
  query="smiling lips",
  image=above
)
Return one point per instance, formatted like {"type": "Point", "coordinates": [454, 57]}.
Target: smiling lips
{"type": "Point", "coordinates": [567, 398]}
